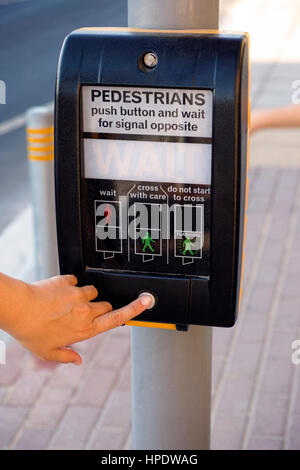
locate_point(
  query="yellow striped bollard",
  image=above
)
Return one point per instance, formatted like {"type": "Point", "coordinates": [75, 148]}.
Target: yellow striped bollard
{"type": "Point", "coordinates": [40, 151]}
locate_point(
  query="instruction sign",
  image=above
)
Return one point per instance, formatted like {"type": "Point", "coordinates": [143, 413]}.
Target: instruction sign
{"type": "Point", "coordinates": [147, 174]}
{"type": "Point", "coordinates": [147, 111]}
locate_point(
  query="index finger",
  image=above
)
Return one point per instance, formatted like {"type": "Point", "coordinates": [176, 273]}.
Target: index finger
{"type": "Point", "coordinates": [119, 317]}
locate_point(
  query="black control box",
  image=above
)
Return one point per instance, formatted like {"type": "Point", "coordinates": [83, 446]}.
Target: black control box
{"type": "Point", "coordinates": [151, 142]}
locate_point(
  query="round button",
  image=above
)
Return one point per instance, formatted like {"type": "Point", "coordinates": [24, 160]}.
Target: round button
{"type": "Point", "coordinates": [150, 60]}
{"type": "Point", "coordinates": [153, 299]}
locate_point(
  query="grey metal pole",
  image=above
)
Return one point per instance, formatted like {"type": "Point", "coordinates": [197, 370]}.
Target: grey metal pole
{"type": "Point", "coordinates": [173, 14]}
{"type": "Point", "coordinates": [40, 142]}
{"type": "Point", "coordinates": [171, 371]}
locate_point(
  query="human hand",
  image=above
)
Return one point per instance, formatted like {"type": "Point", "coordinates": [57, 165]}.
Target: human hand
{"type": "Point", "coordinates": [56, 314]}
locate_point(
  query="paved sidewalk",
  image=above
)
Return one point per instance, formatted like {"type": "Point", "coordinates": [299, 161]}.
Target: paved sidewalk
{"type": "Point", "coordinates": [255, 385]}
{"type": "Point", "coordinates": [256, 388]}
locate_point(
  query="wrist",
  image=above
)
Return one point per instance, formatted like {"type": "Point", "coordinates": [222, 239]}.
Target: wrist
{"type": "Point", "coordinates": [15, 300]}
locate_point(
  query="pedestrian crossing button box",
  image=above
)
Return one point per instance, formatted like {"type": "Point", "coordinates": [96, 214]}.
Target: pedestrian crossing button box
{"type": "Point", "coordinates": [151, 169]}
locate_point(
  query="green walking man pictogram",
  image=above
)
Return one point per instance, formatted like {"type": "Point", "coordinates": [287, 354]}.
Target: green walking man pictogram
{"type": "Point", "coordinates": [147, 240]}
{"type": "Point", "coordinates": [187, 246]}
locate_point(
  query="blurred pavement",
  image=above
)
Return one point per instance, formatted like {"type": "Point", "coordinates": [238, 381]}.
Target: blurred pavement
{"type": "Point", "coordinates": [256, 390]}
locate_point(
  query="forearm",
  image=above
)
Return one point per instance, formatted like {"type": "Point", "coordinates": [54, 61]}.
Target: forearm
{"type": "Point", "coordinates": [275, 118]}
{"type": "Point", "coordinates": [13, 294]}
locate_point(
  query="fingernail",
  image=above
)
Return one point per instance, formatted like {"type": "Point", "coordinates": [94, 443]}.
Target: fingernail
{"type": "Point", "coordinates": [77, 363]}
{"type": "Point", "coordinates": [145, 300]}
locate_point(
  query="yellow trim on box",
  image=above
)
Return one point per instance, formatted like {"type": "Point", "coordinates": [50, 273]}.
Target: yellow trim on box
{"type": "Point", "coordinates": [143, 30]}
{"type": "Point", "coordinates": [164, 326]}
{"type": "Point", "coordinates": [163, 31]}
{"type": "Point", "coordinates": [247, 180]}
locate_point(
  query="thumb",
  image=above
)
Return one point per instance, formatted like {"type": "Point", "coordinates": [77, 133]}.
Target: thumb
{"type": "Point", "coordinates": [65, 355]}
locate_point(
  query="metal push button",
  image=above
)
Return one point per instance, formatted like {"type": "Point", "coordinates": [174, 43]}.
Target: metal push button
{"type": "Point", "coordinates": [153, 299]}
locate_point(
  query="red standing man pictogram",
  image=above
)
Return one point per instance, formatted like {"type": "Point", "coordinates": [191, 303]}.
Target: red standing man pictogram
{"type": "Point", "coordinates": [108, 214]}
